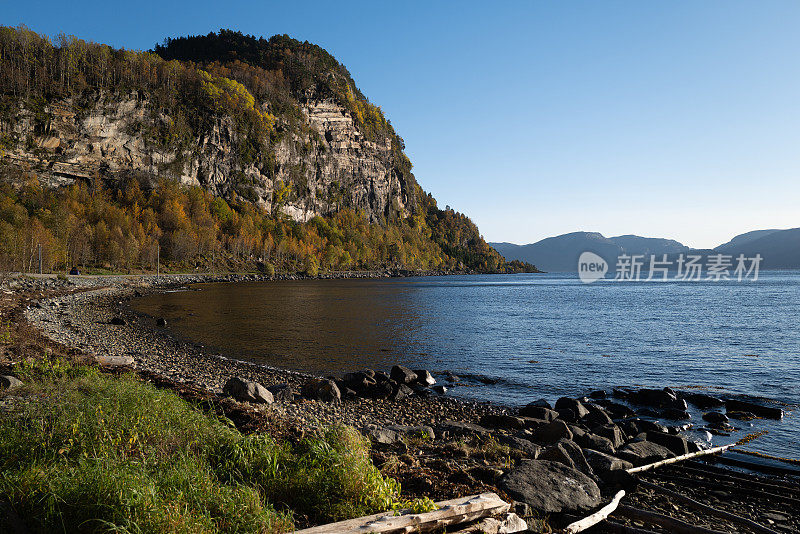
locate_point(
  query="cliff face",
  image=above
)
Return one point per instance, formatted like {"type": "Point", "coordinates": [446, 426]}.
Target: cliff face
{"type": "Point", "coordinates": [327, 162]}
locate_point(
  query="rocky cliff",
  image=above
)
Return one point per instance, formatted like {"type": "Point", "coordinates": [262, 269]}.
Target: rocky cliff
{"type": "Point", "coordinates": [329, 164]}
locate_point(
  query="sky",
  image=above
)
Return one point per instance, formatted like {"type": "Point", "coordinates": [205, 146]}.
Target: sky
{"type": "Point", "coordinates": [671, 119]}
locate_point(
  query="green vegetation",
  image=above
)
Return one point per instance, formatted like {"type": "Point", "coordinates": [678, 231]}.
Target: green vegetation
{"type": "Point", "coordinates": [86, 452]}
{"type": "Point", "coordinates": [186, 86]}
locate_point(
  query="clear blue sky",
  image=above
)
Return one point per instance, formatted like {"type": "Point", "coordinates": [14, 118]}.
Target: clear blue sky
{"type": "Point", "coordinates": [665, 119]}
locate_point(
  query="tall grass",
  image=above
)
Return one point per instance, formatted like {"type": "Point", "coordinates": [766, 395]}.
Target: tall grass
{"type": "Point", "coordinates": [91, 453]}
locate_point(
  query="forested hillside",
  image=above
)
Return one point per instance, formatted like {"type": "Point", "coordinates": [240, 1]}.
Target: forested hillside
{"type": "Point", "coordinates": [224, 151]}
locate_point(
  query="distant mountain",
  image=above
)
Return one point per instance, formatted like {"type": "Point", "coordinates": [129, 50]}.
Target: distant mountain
{"type": "Point", "coordinates": [561, 253]}
{"type": "Point", "coordinates": [780, 249]}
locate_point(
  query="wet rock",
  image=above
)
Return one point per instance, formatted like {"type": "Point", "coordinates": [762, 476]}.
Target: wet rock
{"type": "Point", "coordinates": [282, 392]}
{"type": "Point", "coordinates": [675, 414]}
{"type": "Point", "coordinates": [715, 417]}
{"type": "Point", "coordinates": [540, 403]}
{"type": "Point", "coordinates": [118, 321]}
{"type": "Point", "coordinates": [538, 412]}
{"type": "Point", "coordinates": [603, 463]}
{"type": "Point", "coordinates": [322, 389]}
{"type": "Point", "coordinates": [703, 401]}
{"type": "Point", "coordinates": [599, 394]}
{"type": "Point", "coordinates": [552, 432]}
{"type": "Point", "coordinates": [657, 398]}
{"type": "Point", "coordinates": [9, 382]}
{"type": "Point", "coordinates": [644, 452]}
{"type": "Point", "coordinates": [424, 377]}
{"type": "Point", "coordinates": [161, 322]}
{"type": "Point", "coordinates": [247, 391]}
{"type": "Point", "coordinates": [741, 416]}
{"type": "Point", "coordinates": [551, 487]}
{"type": "Point", "coordinates": [403, 375]}
{"type": "Point", "coordinates": [439, 390]}
{"type": "Point", "coordinates": [733, 405]}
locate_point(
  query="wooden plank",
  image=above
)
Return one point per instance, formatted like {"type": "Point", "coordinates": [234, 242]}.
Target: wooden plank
{"type": "Point", "coordinates": [452, 512]}
{"type": "Point", "coordinates": [600, 515]}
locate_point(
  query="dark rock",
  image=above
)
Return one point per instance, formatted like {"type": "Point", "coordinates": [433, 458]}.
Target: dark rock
{"type": "Point", "coordinates": [532, 422]}
{"type": "Point", "coordinates": [552, 432]}
{"type": "Point", "coordinates": [551, 487]}
{"type": "Point", "coordinates": [403, 375]}
{"type": "Point", "coordinates": [540, 403]}
{"type": "Point", "coordinates": [676, 444]}
{"type": "Point", "coordinates": [527, 447]}
{"type": "Point", "coordinates": [247, 391]}
{"type": "Point", "coordinates": [424, 377]}
{"type": "Point", "coordinates": [421, 391]}
{"type": "Point", "coordinates": [741, 416]}
{"type": "Point", "coordinates": [597, 416]}
{"type": "Point", "coordinates": [450, 377]}
{"type": "Point", "coordinates": [572, 404]}
{"type": "Point", "coordinates": [485, 473]}
{"type": "Point", "coordinates": [616, 410]}
{"type": "Point", "coordinates": [380, 390]}
{"type": "Point", "coordinates": [9, 382]}
{"type": "Point", "coordinates": [733, 405]}
{"type": "Point", "coordinates": [118, 321]}
{"type": "Point", "coordinates": [161, 322]}
{"type": "Point", "coordinates": [369, 373]}
{"type": "Point", "coordinates": [384, 436]}
{"type": "Point", "coordinates": [593, 441]}
{"type": "Point", "coordinates": [603, 463]}
{"type": "Point", "coordinates": [402, 391]}
{"type": "Point", "coordinates": [675, 414]}
{"type": "Point", "coordinates": [715, 417]}
{"type": "Point", "coordinates": [644, 452]}
{"type": "Point", "coordinates": [568, 453]}
{"type": "Point", "coordinates": [282, 392]}
{"type": "Point", "coordinates": [612, 433]}
{"type": "Point", "coordinates": [703, 401]}
{"type": "Point", "coordinates": [621, 393]}
{"type": "Point", "coordinates": [599, 394]}
{"type": "Point", "coordinates": [658, 398]}
{"type": "Point", "coordinates": [439, 390]}
{"type": "Point", "coordinates": [502, 421]}
{"type": "Point", "coordinates": [538, 412]}
{"type": "Point", "coordinates": [568, 415]}
{"type": "Point", "coordinates": [322, 389]}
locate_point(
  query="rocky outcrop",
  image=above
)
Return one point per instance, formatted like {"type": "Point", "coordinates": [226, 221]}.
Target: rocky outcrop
{"type": "Point", "coordinates": [327, 161]}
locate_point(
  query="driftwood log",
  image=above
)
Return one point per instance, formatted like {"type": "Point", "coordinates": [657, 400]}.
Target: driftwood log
{"type": "Point", "coordinates": [680, 458]}
{"type": "Point", "coordinates": [452, 512]}
{"type": "Point", "coordinates": [598, 516]}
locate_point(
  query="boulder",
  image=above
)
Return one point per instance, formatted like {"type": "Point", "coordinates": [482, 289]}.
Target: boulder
{"type": "Point", "coordinates": [676, 444]}
{"type": "Point", "coordinates": [424, 377]}
{"type": "Point", "coordinates": [247, 391]}
{"type": "Point", "coordinates": [526, 447]}
{"type": "Point", "coordinates": [161, 322]}
{"type": "Point", "coordinates": [439, 390]}
{"type": "Point", "coordinates": [403, 375]}
{"type": "Point", "coordinates": [572, 404]}
{"type": "Point", "coordinates": [733, 405]}
{"type": "Point", "coordinates": [644, 452]}
{"type": "Point", "coordinates": [551, 487]}
{"type": "Point", "coordinates": [321, 389]}
{"type": "Point", "coordinates": [598, 394]}
{"type": "Point", "coordinates": [593, 441]}
{"type": "Point", "coordinates": [703, 401]}
{"type": "Point", "coordinates": [9, 382]}
{"type": "Point", "coordinates": [658, 398]}
{"type": "Point", "coordinates": [118, 321]}
{"type": "Point", "coordinates": [541, 403]}
{"type": "Point", "coordinates": [616, 410]}
{"type": "Point", "coordinates": [603, 463]}
{"type": "Point", "coordinates": [552, 432]}
{"type": "Point", "coordinates": [612, 433]}
{"type": "Point", "coordinates": [597, 416]}
{"type": "Point", "coordinates": [384, 436]}
{"type": "Point", "coordinates": [675, 414]}
{"type": "Point", "coordinates": [502, 421]}
{"type": "Point", "coordinates": [568, 453]}
{"type": "Point", "coordinates": [568, 415]}
{"type": "Point", "coordinates": [402, 391]}
{"type": "Point", "coordinates": [282, 392]}
{"type": "Point", "coordinates": [532, 422]}
{"type": "Point", "coordinates": [715, 417]}
{"type": "Point", "coordinates": [538, 412]}
{"type": "Point", "coordinates": [380, 390]}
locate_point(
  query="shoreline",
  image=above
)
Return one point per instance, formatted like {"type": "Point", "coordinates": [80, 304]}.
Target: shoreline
{"type": "Point", "coordinates": [476, 444]}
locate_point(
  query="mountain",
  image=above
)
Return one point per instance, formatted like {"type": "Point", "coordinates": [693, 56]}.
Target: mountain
{"type": "Point", "coordinates": [561, 253]}
{"type": "Point", "coordinates": [276, 154]}
{"type": "Point", "coordinates": [780, 249]}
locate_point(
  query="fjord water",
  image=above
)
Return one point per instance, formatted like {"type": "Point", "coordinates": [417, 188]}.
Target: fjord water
{"type": "Point", "coordinates": [517, 338]}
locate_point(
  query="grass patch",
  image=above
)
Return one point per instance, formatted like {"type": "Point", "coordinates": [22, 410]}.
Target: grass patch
{"type": "Point", "coordinates": [87, 452]}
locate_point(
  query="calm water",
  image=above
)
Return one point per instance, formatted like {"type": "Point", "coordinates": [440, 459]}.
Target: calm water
{"type": "Point", "coordinates": [533, 335]}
